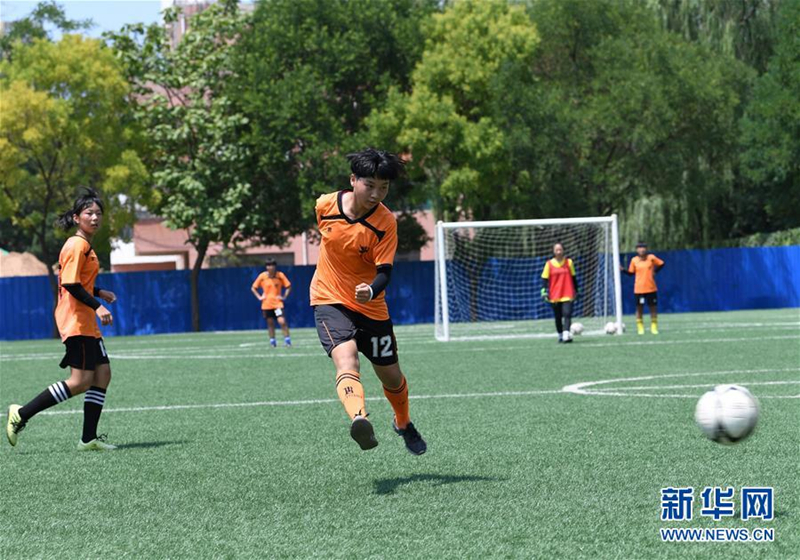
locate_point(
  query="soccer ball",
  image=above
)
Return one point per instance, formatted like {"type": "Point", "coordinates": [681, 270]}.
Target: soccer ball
{"type": "Point", "coordinates": [728, 414]}
{"type": "Point", "coordinates": [611, 328]}
{"type": "Point", "coordinates": [576, 329]}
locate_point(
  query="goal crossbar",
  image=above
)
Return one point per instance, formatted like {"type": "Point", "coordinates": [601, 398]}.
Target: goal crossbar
{"type": "Point", "coordinates": [541, 222]}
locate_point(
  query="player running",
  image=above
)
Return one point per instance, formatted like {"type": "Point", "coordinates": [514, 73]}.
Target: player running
{"type": "Point", "coordinates": [357, 249]}
{"type": "Point", "coordinates": [645, 265]}
{"type": "Point", "coordinates": [560, 289]}
{"type": "Point", "coordinates": [76, 316]}
{"type": "Point", "coordinates": [272, 282]}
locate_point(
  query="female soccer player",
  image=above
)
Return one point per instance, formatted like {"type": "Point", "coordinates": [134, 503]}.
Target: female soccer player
{"type": "Point", "coordinates": [272, 284]}
{"type": "Point", "coordinates": [644, 266]}
{"type": "Point", "coordinates": [359, 241]}
{"type": "Point", "coordinates": [76, 317]}
{"type": "Point", "coordinates": [560, 289]}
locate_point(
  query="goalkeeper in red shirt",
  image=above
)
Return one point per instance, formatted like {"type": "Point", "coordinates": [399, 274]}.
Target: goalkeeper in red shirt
{"type": "Point", "coordinates": [560, 289]}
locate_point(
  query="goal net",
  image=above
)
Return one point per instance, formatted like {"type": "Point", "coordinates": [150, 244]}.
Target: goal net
{"type": "Point", "coordinates": [488, 276]}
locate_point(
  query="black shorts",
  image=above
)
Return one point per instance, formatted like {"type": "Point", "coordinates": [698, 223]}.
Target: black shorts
{"type": "Point", "coordinates": [650, 298]}
{"type": "Point", "coordinates": [272, 313]}
{"type": "Point", "coordinates": [337, 324]}
{"type": "Point", "coordinates": [84, 352]}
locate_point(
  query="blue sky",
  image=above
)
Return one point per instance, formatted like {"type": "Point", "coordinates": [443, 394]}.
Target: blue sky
{"type": "Point", "coordinates": [107, 15]}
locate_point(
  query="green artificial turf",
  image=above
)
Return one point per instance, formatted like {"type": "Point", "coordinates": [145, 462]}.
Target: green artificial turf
{"type": "Point", "coordinates": [231, 449]}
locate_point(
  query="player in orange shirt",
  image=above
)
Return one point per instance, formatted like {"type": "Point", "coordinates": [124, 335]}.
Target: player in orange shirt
{"type": "Point", "coordinates": [272, 284]}
{"type": "Point", "coordinates": [76, 317]}
{"type": "Point", "coordinates": [357, 249]}
{"type": "Point", "coordinates": [560, 289]}
{"type": "Point", "coordinates": [645, 266]}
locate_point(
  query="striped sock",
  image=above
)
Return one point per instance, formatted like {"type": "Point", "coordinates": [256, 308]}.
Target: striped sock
{"type": "Point", "coordinates": [93, 403]}
{"type": "Point", "coordinates": [54, 394]}
{"type": "Point", "coordinates": [398, 398]}
{"type": "Point", "coordinates": [351, 393]}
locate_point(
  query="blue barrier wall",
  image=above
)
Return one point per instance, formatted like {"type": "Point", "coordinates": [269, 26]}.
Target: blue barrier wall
{"type": "Point", "coordinates": [227, 304]}
{"type": "Point", "coordinates": [159, 302]}
{"type": "Point", "coordinates": [723, 280]}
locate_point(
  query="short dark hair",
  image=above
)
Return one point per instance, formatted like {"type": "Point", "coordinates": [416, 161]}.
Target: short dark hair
{"type": "Point", "coordinates": [379, 164]}
{"type": "Point", "coordinates": [641, 244]}
{"type": "Point", "coordinates": [81, 203]}
{"type": "Point", "coordinates": [270, 262]}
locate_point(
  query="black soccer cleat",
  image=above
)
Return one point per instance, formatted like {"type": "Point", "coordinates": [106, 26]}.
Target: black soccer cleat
{"type": "Point", "coordinates": [414, 442]}
{"type": "Point", "coordinates": [361, 431]}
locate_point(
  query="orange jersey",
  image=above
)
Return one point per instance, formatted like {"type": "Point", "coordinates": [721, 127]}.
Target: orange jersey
{"type": "Point", "coordinates": [559, 277]}
{"type": "Point", "coordinates": [645, 270]}
{"type": "Point", "coordinates": [271, 287]}
{"type": "Point", "coordinates": [78, 265]}
{"type": "Point", "coordinates": [349, 254]}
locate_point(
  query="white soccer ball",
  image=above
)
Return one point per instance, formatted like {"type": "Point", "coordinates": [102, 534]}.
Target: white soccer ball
{"type": "Point", "coordinates": [728, 414]}
{"type": "Point", "coordinates": [576, 329]}
{"type": "Point", "coordinates": [611, 328]}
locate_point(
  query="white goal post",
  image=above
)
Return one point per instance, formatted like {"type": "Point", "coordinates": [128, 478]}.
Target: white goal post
{"type": "Point", "coordinates": [488, 276]}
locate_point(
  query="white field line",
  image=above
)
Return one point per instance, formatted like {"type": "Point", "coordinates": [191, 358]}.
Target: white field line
{"type": "Point", "coordinates": [590, 387]}
{"type": "Point", "coordinates": [577, 388]}
{"type": "Point", "coordinates": [417, 334]}
{"type": "Point", "coordinates": [444, 348]}
{"type": "Point", "coordinates": [698, 386]}
{"type": "Point", "coordinates": [304, 402]}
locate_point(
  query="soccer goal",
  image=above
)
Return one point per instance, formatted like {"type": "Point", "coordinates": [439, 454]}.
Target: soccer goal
{"type": "Point", "coordinates": [488, 276]}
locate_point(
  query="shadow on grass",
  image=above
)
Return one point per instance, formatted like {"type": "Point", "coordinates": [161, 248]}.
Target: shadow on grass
{"type": "Point", "coordinates": [150, 444]}
{"type": "Point", "coordinates": [390, 485]}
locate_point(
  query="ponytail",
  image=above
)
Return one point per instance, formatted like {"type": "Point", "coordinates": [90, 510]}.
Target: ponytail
{"type": "Point", "coordinates": [66, 221]}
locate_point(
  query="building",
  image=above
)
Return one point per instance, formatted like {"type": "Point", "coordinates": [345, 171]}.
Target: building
{"type": "Point", "coordinates": [190, 8]}
{"type": "Point", "coordinates": [156, 247]}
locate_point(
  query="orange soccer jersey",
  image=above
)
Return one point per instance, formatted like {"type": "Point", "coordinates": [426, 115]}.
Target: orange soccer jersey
{"type": "Point", "coordinates": [349, 254]}
{"type": "Point", "coordinates": [645, 270]}
{"type": "Point", "coordinates": [79, 265]}
{"type": "Point", "coordinates": [271, 287]}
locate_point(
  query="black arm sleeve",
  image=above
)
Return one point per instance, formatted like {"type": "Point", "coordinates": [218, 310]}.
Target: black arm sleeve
{"type": "Point", "coordinates": [96, 291]}
{"type": "Point", "coordinates": [660, 267]}
{"type": "Point", "coordinates": [546, 283]}
{"type": "Point", "coordinates": [79, 292]}
{"type": "Point", "coordinates": [381, 280]}
{"type": "Point", "coordinates": [575, 282]}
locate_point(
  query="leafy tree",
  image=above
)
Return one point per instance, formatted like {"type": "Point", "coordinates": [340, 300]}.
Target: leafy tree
{"type": "Point", "coordinates": [26, 30]}
{"type": "Point", "coordinates": [745, 29]}
{"type": "Point", "coordinates": [575, 108]}
{"type": "Point", "coordinates": [311, 71]}
{"type": "Point", "coordinates": [448, 121]}
{"type": "Point", "coordinates": [201, 164]}
{"type": "Point", "coordinates": [63, 123]}
{"type": "Point", "coordinates": [771, 128]}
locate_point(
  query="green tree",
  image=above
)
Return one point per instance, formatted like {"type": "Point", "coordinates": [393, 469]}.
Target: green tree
{"type": "Point", "coordinates": [771, 128]}
{"type": "Point", "coordinates": [311, 71]}
{"type": "Point", "coordinates": [448, 121]}
{"type": "Point", "coordinates": [745, 29]}
{"type": "Point", "coordinates": [201, 163]}
{"type": "Point", "coordinates": [63, 122]}
{"type": "Point", "coordinates": [26, 30]}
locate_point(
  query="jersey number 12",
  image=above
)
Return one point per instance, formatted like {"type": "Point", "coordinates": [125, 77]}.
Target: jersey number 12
{"type": "Point", "coordinates": [384, 344]}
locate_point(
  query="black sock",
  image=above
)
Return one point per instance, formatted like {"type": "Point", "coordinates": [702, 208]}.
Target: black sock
{"type": "Point", "coordinates": [93, 403]}
{"type": "Point", "coordinates": [54, 394]}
